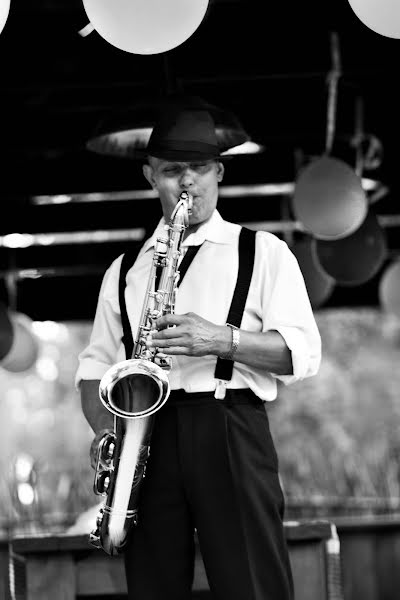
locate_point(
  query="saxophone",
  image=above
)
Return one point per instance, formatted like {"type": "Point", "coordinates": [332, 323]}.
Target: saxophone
{"type": "Point", "coordinates": [133, 391]}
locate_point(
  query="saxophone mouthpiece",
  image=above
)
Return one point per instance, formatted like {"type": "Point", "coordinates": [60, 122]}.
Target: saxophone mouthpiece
{"type": "Point", "coordinates": [188, 198]}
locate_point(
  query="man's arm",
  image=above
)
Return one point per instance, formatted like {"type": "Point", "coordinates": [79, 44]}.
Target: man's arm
{"type": "Point", "coordinates": [266, 350]}
{"type": "Point", "coordinates": [95, 413]}
{"type": "Point", "coordinates": [195, 336]}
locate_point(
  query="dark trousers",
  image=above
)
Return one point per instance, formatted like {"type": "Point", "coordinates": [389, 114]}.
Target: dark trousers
{"type": "Point", "coordinates": [212, 467]}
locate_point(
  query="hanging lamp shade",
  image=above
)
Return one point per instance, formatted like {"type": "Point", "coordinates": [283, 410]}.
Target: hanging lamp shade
{"type": "Point", "coordinates": [125, 134]}
{"type": "Point", "coordinates": [329, 199]}
{"type": "Point", "coordinates": [24, 348]}
{"type": "Point", "coordinates": [319, 284]}
{"type": "Point", "coordinates": [145, 26]}
{"type": "Point", "coordinates": [355, 259]}
{"type": "Point", "coordinates": [389, 289]}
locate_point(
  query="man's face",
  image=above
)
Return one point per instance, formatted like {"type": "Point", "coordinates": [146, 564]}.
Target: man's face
{"type": "Point", "coordinates": [200, 179]}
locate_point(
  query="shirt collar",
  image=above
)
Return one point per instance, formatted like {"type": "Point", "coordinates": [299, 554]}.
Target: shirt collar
{"type": "Point", "coordinates": [213, 230]}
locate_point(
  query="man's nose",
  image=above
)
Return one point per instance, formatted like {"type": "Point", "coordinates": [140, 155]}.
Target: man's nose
{"type": "Point", "coordinates": [187, 178]}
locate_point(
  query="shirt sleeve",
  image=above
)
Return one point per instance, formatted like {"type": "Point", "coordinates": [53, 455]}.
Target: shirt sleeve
{"type": "Point", "coordinates": [287, 309]}
{"type": "Point", "coordinates": [105, 339]}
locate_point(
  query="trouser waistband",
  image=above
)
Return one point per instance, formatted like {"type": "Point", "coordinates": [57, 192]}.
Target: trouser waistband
{"type": "Point", "coordinates": [233, 396]}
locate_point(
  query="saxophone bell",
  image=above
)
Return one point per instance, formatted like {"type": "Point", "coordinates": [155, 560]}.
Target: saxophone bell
{"type": "Point", "coordinates": [134, 388]}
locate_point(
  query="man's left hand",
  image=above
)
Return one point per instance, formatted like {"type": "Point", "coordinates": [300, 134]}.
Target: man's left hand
{"type": "Point", "coordinates": [189, 334]}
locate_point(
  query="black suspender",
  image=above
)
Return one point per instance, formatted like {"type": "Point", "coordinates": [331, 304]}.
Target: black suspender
{"type": "Point", "coordinates": [247, 241]}
{"type": "Point", "coordinates": [247, 248]}
{"type": "Point", "coordinates": [127, 261]}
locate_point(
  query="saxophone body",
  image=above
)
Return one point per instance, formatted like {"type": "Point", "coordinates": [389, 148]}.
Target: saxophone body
{"type": "Point", "coordinates": [133, 391]}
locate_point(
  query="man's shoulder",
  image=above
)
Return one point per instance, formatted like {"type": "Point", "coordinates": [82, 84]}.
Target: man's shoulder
{"type": "Point", "coordinates": [267, 240]}
{"type": "Point", "coordinates": [115, 265]}
{"type": "Point", "coordinates": [264, 239]}
{"type": "Point", "coordinates": [231, 227]}
{"type": "Point", "coordinates": [129, 256]}
{"type": "Point", "coordinates": [267, 237]}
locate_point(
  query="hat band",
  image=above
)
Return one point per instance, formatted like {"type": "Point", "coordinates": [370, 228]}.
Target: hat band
{"type": "Point", "coordinates": [173, 147]}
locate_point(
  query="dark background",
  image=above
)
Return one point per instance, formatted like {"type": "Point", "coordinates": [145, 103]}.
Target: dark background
{"type": "Point", "coordinates": [267, 63]}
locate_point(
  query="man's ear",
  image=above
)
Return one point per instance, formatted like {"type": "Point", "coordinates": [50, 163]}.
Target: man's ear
{"type": "Point", "coordinates": [220, 171]}
{"type": "Point", "coordinates": [149, 175]}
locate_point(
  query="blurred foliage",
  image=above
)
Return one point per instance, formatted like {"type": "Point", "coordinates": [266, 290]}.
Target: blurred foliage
{"type": "Point", "coordinates": [337, 434]}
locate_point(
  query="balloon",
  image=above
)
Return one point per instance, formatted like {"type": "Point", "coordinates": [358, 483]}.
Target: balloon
{"type": "Point", "coordinates": [355, 259]}
{"type": "Point", "coordinates": [319, 285]}
{"type": "Point", "coordinates": [24, 349]}
{"type": "Point", "coordinates": [389, 289]}
{"type": "Point", "coordinates": [4, 10]}
{"type": "Point", "coordinates": [145, 26]}
{"type": "Point", "coordinates": [329, 199]}
{"type": "Point", "coordinates": [382, 16]}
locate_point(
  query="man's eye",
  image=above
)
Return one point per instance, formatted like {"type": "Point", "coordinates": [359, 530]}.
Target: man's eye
{"type": "Point", "coordinates": [201, 167]}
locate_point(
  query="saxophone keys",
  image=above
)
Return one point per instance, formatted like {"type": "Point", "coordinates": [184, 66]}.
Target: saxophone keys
{"type": "Point", "coordinates": [107, 451]}
{"type": "Point", "coordinates": [159, 297]}
{"type": "Point", "coordinates": [163, 360]}
{"type": "Point", "coordinates": [161, 247]}
{"type": "Point", "coordinates": [94, 539]}
{"type": "Point", "coordinates": [99, 518]}
{"type": "Point", "coordinates": [106, 483]}
{"type": "Point", "coordinates": [102, 483]}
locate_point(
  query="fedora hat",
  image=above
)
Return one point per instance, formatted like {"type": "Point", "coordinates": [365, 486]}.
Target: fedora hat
{"type": "Point", "coordinates": [194, 122]}
{"type": "Point", "coordinates": [185, 130]}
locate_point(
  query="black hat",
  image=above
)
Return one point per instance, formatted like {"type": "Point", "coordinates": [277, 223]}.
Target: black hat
{"type": "Point", "coordinates": [184, 131]}
{"type": "Point", "coordinates": [185, 127]}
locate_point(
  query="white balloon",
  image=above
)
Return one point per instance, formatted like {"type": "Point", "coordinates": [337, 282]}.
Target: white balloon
{"type": "Point", "coordinates": [382, 16]}
{"type": "Point", "coordinates": [4, 10]}
{"type": "Point", "coordinates": [145, 26]}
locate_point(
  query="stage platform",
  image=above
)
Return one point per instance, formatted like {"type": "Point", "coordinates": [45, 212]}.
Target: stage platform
{"type": "Point", "coordinates": [66, 567]}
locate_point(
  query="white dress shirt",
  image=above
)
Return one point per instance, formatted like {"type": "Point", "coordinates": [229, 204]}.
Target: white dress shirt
{"type": "Point", "coordinates": [277, 300]}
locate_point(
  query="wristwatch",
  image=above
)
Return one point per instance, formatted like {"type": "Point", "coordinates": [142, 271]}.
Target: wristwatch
{"type": "Point", "coordinates": [234, 343]}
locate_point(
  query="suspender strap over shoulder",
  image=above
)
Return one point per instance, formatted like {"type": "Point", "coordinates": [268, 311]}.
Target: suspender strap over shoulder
{"type": "Point", "coordinates": [127, 339]}
{"type": "Point", "coordinates": [127, 262]}
{"type": "Point", "coordinates": [247, 247]}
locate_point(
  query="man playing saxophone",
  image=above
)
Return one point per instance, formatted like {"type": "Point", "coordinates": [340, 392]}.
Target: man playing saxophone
{"type": "Point", "coordinates": [242, 321]}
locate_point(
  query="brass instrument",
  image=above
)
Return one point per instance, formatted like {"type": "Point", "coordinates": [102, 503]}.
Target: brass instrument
{"type": "Point", "coordinates": [133, 391]}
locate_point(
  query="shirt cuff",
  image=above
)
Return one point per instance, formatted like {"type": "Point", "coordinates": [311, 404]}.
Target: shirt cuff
{"type": "Point", "coordinates": [297, 344]}
{"type": "Point", "coordinates": [90, 369]}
